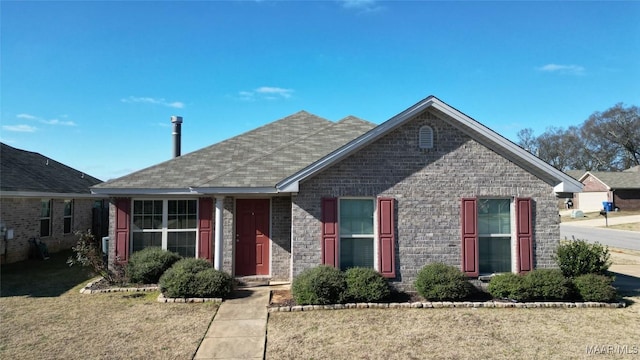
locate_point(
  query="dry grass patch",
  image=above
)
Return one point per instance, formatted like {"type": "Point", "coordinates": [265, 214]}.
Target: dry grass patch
{"type": "Point", "coordinates": [61, 323]}
{"type": "Point", "coordinates": [628, 227]}
{"type": "Point", "coordinates": [449, 333]}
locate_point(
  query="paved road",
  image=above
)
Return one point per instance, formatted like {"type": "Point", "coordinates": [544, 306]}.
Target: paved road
{"type": "Point", "coordinates": [615, 238]}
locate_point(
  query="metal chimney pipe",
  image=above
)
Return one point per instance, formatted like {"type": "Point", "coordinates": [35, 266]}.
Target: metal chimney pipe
{"type": "Point", "coordinates": [177, 134]}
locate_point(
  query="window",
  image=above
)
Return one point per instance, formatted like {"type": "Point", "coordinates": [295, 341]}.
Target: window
{"type": "Point", "coordinates": [494, 235]}
{"type": "Point", "coordinates": [45, 218]}
{"type": "Point", "coordinates": [169, 224]}
{"type": "Point", "coordinates": [356, 233]}
{"type": "Point", "coordinates": [425, 137]}
{"type": "Point", "coordinates": [68, 216]}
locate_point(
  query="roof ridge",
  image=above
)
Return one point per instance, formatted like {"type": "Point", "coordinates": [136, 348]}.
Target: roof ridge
{"type": "Point", "coordinates": [274, 150]}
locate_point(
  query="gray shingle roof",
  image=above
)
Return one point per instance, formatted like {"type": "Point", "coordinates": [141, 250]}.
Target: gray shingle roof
{"type": "Point", "coordinates": [258, 158]}
{"type": "Point", "coordinates": [618, 180]}
{"type": "Point", "coordinates": [27, 171]}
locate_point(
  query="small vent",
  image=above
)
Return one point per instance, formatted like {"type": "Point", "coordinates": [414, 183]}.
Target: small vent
{"type": "Point", "coordinates": [425, 140]}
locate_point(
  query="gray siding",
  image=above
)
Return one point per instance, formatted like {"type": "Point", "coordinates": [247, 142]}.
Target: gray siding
{"type": "Point", "coordinates": [428, 186]}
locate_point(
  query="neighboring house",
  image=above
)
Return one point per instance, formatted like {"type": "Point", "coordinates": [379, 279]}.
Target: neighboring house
{"type": "Point", "coordinates": [41, 198]}
{"type": "Point", "coordinates": [620, 188]}
{"type": "Point", "coordinates": [428, 185]}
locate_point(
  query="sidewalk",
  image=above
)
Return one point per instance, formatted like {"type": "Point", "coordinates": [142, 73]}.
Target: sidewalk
{"type": "Point", "coordinates": [238, 330]}
{"type": "Point", "coordinates": [600, 221]}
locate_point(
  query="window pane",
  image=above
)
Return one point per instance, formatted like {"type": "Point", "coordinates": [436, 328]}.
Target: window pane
{"type": "Point", "coordinates": [184, 215]}
{"type": "Point", "coordinates": [495, 254]}
{"type": "Point", "coordinates": [356, 217]}
{"type": "Point", "coordinates": [142, 240]}
{"type": "Point", "coordinates": [45, 209]}
{"type": "Point", "coordinates": [494, 216]}
{"type": "Point", "coordinates": [67, 207]}
{"type": "Point", "coordinates": [356, 252]}
{"type": "Point", "coordinates": [147, 214]}
{"type": "Point", "coordinates": [45, 227]}
{"type": "Point", "coordinates": [67, 225]}
{"type": "Point", "coordinates": [183, 243]}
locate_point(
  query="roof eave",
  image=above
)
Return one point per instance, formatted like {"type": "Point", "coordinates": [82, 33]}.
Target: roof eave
{"type": "Point", "coordinates": [46, 194]}
{"type": "Point", "coordinates": [185, 191]}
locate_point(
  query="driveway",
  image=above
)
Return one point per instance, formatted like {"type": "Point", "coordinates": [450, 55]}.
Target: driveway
{"type": "Point", "coordinates": [590, 231]}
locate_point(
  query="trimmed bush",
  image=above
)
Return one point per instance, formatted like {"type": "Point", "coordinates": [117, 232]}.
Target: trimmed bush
{"type": "Point", "coordinates": [365, 285]}
{"type": "Point", "coordinates": [147, 265]}
{"type": "Point", "coordinates": [442, 282]}
{"type": "Point", "coordinates": [508, 286]}
{"type": "Point", "coordinates": [547, 284]}
{"type": "Point", "coordinates": [578, 257]}
{"type": "Point", "coordinates": [594, 287]}
{"type": "Point", "coordinates": [321, 285]}
{"type": "Point", "coordinates": [195, 278]}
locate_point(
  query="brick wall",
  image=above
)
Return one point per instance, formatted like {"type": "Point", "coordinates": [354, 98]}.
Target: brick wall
{"type": "Point", "coordinates": [23, 216]}
{"type": "Point", "coordinates": [592, 184]}
{"type": "Point", "coordinates": [427, 186]}
{"type": "Point", "coordinates": [281, 238]}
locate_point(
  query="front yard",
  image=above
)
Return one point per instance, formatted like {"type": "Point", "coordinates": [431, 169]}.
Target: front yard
{"type": "Point", "coordinates": [44, 316]}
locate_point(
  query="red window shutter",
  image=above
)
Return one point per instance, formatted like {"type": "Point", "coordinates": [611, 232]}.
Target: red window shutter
{"type": "Point", "coordinates": [524, 232]}
{"type": "Point", "coordinates": [330, 232]}
{"type": "Point", "coordinates": [469, 220]}
{"type": "Point", "coordinates": [123, 220]}
{"type": "Point", "coordinates": [386, 238]}
{"type": "Point", "coordinates": [205, 228]}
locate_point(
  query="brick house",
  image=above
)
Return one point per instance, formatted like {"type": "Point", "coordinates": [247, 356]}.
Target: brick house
{"type": "Point", "coordinates": [620, 188]}
{"type": "Point", "coordinates": [41, 198]}
{"type": "Point", "coordinates": [428, 185]}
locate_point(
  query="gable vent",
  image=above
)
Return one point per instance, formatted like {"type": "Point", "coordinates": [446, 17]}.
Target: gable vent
{"type": "Point", "coordinates": [425, 137]}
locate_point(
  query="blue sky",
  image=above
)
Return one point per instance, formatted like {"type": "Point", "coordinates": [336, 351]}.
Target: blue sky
{"type": "Point", "coordinates": [94, 84]}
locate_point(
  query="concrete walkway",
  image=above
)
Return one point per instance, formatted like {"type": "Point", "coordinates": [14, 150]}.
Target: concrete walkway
{"type": "Point", "coordinates": [238, 330]}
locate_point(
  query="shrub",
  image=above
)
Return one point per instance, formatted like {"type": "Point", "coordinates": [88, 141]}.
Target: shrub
{"type": "Point", "coordinates": [365, 285]}
{"type": "Point", "coordinates": [594, 287]}
{"type": "Point", "coordinates": [578, 257]}
{"type": "Point", "coordinates": [508, 286]}
{"type": "Point", "coordinates": [195, 278]}
{"type": "Point", "coordinates": [547, 284]}
{"type": "Point", "coordinates": [319, 286]}
{"type": "Point", "coordinates": [87, 253]}
{"type": "Point", "coordinates": [442, 282]}
{"type": "Point", "coordinates": [147, 265]}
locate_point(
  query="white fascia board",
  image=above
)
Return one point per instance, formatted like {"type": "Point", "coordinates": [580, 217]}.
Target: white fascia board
{"type": "Point", "coordinates": [291, 184]}
{"type": "Point", "coordinates": [567, 188]}
{"type": "Point", "coordinates": [233, 190]}
{"type": "Point", "coordinates": [39, 194]}
{"type": "Point", "coordinates": [139, 191]}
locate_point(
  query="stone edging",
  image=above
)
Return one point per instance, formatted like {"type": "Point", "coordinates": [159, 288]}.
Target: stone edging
{"type": "Point", "coordinates": [447, 304]}
{"type": "Point", "coordinates": [87, 288]}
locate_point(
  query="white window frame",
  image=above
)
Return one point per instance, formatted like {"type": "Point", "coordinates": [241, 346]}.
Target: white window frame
{"type": "Point", "coordinates": [69, 216]}
{"type": "Point", "coordinates": [49, 217]}
{"type": "Point", "coordinates": [373, 236]}
{"type": "Point", "coordinates": [164, 229]}
{"type": "Point", "coordinates": [511, 234]}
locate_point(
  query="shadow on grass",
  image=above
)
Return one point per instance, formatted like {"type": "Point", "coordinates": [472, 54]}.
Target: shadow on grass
{"type": "Point", "coordinates": [627, 285]}
{"type": "Point", "coordinates": [41, 278]}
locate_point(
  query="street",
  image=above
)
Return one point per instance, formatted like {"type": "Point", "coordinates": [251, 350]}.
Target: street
{"type": "Point", "coordinates": [614, 238]}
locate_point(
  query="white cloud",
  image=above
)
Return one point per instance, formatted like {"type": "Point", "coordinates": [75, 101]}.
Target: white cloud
{"type": "Point", "coordinates": [361, 5]}
{"type": "Point", "coordinates": [563, 69]}
{"type": "Point", "coordinates": [26, 116]}
{"type": "Point", "coordinates": [154, 101]}
{"type": "Point", "coordinates": [19, 128]}
{"type": "Point", "coordinates": [266, 92]}
{"type": "Point", "coordinates": [58, 122]}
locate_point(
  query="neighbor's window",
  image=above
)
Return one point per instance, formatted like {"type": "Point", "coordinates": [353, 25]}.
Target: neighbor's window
{"type": "Point", "coordinates": [68, 216]}
{"type": "Point", "coordinates": [45, 217]}
{"type": "Point", "coordinates": [356, 233]}
{"type": "Point", "coordinates": [494, 235]}
{"type": "Point", "coordinates": [169, 224]}
{"type": "Point", "coordinates": [425, 136]}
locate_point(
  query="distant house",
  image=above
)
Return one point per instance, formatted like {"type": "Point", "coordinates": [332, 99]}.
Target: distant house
{"type": "Point", "coordinates": [621, 188]}
{"type": "Point", "coordinates": [41, 198]}
{"type": "Point", "coordinates": [429, 185]}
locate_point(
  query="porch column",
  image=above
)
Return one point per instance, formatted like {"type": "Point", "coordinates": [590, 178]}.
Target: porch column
{"type": "Point", "coordinates": [217, 260]}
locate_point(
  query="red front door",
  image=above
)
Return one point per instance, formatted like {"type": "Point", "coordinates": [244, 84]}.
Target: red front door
{"type": "Point", "coordinates": [252, 237]}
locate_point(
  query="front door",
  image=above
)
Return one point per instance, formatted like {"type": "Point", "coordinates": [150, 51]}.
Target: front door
{"type": "Point", "coordinates": [252, 237]}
